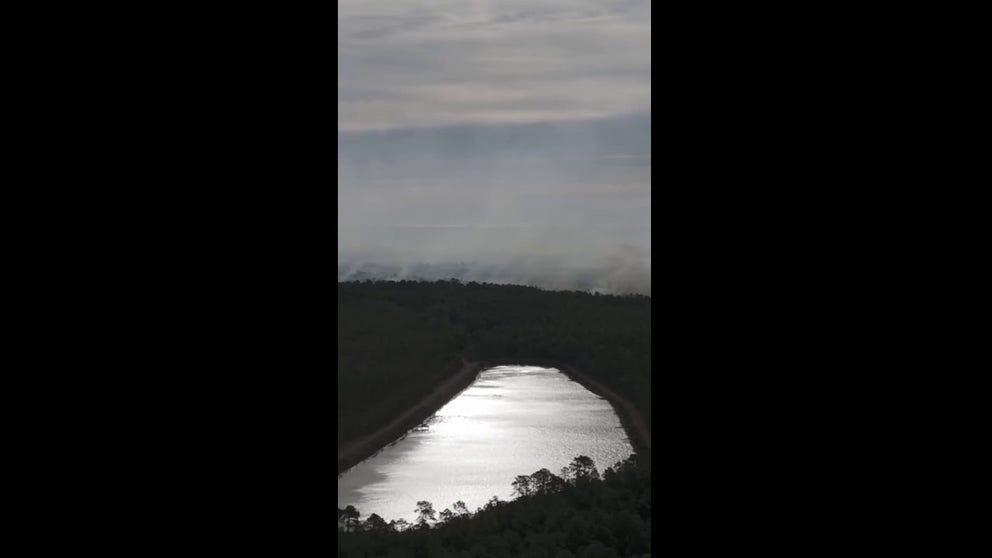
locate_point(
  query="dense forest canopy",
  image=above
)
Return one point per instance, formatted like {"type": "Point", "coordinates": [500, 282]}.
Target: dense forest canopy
{"type": "Point", "coordinates": [410, 335]}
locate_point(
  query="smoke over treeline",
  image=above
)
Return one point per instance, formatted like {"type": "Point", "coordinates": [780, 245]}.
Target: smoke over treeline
{"type": "Point", "coordinates": [616, 277]}
{"type": "Point", "coordinates": [558, 206]}
{"type": "Point", "coordinates": [510, 144]}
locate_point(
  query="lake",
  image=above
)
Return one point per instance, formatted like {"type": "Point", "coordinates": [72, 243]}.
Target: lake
{"type": "Point", "coordinates": [513, 420]}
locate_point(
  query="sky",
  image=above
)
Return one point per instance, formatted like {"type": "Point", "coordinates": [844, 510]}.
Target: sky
{"type": "Point", "coordinates": [511, 137]}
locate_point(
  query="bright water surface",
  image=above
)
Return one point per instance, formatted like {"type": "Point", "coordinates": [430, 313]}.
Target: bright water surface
{"type": "Point", "coordinates": [513, 420]}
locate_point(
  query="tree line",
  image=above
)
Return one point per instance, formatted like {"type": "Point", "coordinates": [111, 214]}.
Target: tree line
{"type": "Point", "coordinates": [577, 514]}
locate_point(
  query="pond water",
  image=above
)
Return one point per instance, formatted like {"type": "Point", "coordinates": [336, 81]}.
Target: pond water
{"type": "Point", "coordinates": [513, 420]}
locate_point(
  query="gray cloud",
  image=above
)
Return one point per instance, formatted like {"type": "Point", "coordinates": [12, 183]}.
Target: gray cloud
{"type": "Point", "coordinates": [505, 141]}
{"type": "Point", "coordinates": [404, 63]}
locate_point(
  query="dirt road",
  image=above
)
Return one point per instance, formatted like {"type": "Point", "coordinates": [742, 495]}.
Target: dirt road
{"type": "Point", "coordinates": [635, 423]}
{"type": "Point", "coordinates": [366, 446]}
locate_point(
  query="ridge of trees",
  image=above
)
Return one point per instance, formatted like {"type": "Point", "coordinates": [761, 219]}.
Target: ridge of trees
{"type": "Point", "coordinates": [580, 514]}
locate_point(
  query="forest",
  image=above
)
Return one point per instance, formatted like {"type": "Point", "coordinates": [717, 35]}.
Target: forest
{"type": "Point", "coordinates": [398, 339]}
{"type": "Point", "coordinates": [579, 514]}
{"type": "Point", "coordinates": [409, 335]}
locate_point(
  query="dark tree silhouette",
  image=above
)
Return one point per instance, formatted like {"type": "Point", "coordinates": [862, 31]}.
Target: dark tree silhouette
{"type": "Point", "coordinates": [376, 524]}
{"type": "Point", "coordinates": [446, 515]}
{"type": "Point", "coordinates": [350, 517]}
{"type": "Point", "coordinates": [425, 511]}
{"type": "Point", "coordinates": [493, 503]}
{"type": "Point", "coordinates": [546, 482]}
{"type": "Point", "coordinates": [460, 508]}
{"type": "Point", "coordinates": [522, 487]}
{"type": "Point", "coordinates": [581, 469]}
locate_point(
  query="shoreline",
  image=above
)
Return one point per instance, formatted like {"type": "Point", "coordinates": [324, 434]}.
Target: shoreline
{"type": "Point", "coordinates": [371, 444]}
{"type": "Point", "coordinates": [638, 430]}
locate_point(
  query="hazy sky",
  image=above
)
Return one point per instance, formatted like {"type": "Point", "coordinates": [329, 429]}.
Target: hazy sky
{"type": "Point", "coordinates": [513, 133]}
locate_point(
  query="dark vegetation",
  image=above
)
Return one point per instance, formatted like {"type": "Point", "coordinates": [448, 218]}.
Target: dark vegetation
{"type": "Point", "coordinates": [398, 339]}
{"type": "Point", "coordinates": [409, 335]}
{"type": "Point", "coordinates": [576, 515]}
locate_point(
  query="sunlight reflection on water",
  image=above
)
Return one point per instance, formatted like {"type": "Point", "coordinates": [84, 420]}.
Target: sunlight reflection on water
{"type": "Point", "coordinates": [513, 420]}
